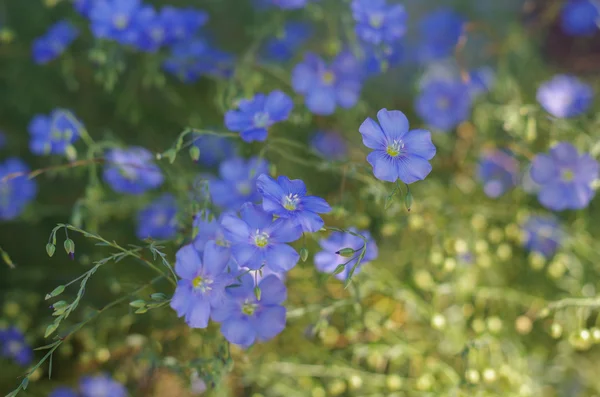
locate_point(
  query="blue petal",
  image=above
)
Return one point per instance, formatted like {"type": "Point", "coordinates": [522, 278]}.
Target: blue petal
{"type": "Point", "coordinates": [418, 142]}
{"type": "Point", "coordinates": [279, 106]}
{"type": "Point", "coordinates": [327, 261]}
{"type": "Point", "coordinates": [237, 121]}
{"type": "Point", "coordinates": [275, 207]}
{"type": "Point", "coordinates": [182, 297]}
{"type": "Point", "coordinates": [384, 166]}
{"type": "Point", "coordinates": [413, 168]}
{"type": "Point", "coordinates": [284, 230]}
{"type": "Point", "coordinates": [295, 186]}
{"type": "Point", "coordinates": [564, 153]}
{"type": "Point", "coordinates": [187, 262]}
{"type": "Point", "coordinates": [554, 196]}
{"type": "Point", "coordinates": [254, 134]}
{"type": "Point", "coordinates": [310, 221]}
{"type": "Point", "coordinates": [235, 229]}
{"type": "Point", "coordinates": [269, 323]}
{"type": "Point", "coordinates": [273, 291]}
{"type": "Point", "coordinates": [268, 187]}
{"type": "Point", "coordinates": [215, 258]}
{"type": "Point", "coordinates": [393, 122]}
{"type": "Point", "coordinates": [248, 255]}
{"type": "Point", "coordinates": [587, 169]}
{"type": "Point", "coordinates": [233, 170]}
{"type": "Point", "coordinates": [281, 257]}
{"type": "Point", "coordinates": [239, 331]}
{"type": "Point", "coordinates": [255, 216]}
{"type": "Point", "coordinates": [198, 313]}
{"type": "Point", "coordinates": [321, 101]}
{"type": "Point", "coordinates": [543, 169]}
{"type": "Point", "coordinates": [347, 95]}
{"type": "Point", "coordinates": [315, 204]}
{"type": "Point", "coordinates": [372, 135]}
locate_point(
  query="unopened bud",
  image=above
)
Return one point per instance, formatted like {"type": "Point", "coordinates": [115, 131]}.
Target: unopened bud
{"type": "Point", "coordinates": [50, 248]}
{"type": "Point", "coordinates": [69, 246]}
{"type": "Point", "coordinates": [346, 252]}
{"type": "Point", "coordinates": [303, 254]}
{"type": "Point", "coordinates": [408, 200]}
{"type": "Point", "coordinates": [195, 153]}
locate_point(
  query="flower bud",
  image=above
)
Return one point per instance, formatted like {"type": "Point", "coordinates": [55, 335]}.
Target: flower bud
{"type": "Point", "coordinates": [50, 248]}
{"type": "Point", "coordinates": [408, 200]}
{"type": "Point", "coordinates": [195, 153]}
{"type": "Point", "coordinates": [57, 291]}
{"type": "Point", "coordinates": [303, 254]}
{"type": "Point", "coordinates": [346, 252]}
{"type": "Point", "coordinates": [69, 246]}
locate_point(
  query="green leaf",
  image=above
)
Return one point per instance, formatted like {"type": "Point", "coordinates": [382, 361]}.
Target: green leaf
{"type": "Point", "coordinates": [57, 291]}
{"type": "Point", "coordinates": [50, 329]}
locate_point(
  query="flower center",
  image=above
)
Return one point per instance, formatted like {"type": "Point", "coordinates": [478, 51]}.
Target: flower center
{"type": "Point", "coordinates": [395, 148]}
{"type": "Point", "coordinates": [65, 135]}
{"type": "Point", "coordinates": [443, 103]}
{"type": "Point", "coordinates": [567, 175]}
{"type": "Point", "coordinates": [291, 201]}
{"type": "Point", "coordinates": [376, 20]}
{"type": "Point", "coordinates": [244, 188]}
{"type": "Point", "coordinates": [249, 308]}
{"type": "Point", "coordinates": [158, 34]}
{"type": "Point", "coordinates": [120, 21]}
{"type": "Point", "coordinates": [261, 120]}
{"type": "Point", "coordinates": [128, 172]}
{"type": "Point", "coordinates": [261, 239]}
{"type": "Point", "coordinates": [14, 347]}
{"type": "Point", "coordinates": [202, 284]}
{"type": "Point", "coordinates": [328, 78]}
{"type": "Point", "coordinates": [160, 219]}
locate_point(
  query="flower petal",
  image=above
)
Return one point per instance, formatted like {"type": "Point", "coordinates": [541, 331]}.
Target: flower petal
{"type": "Point", "coordinates": [543, 169]}
{"type": "Point", "coordinates": [281, 257]}
{"type": "Point", "coordinates": [393, 122]}
{"type": "Point", "coordinates": [384, 166]}
{"type": "Point", "coordinates": [326, 262]}
{"type": "Point", "coordinates": [278, 105]}
{"type": "Point", "coordinates": [198, 313]}
{"type": "Point", "coordinates": [554, 196]}
{"type": "Point", "coordinates": [248, 255]}
{"type": "Point", "coordinates": [239, 331]}
{"type": "Point", "coordinates": [291, 186]}
{"type": "Point", "coordinates": [182, 297]}
{"type": "Point", "coordinates": [187, 262]}
{"type": "Point", "coordinates": [255, 217]}
{"type": "Point", "coordinates": [269, 323]}
{"type": "Point", "coordinates": [284, 230]}
{"type": "Point", "coordinates": [315, 204]}
{"type": "Point", "coordinates": [235, 229]}
{"type": "Point", "coordinates": [273, 291]}
{"type": "Point", "coordinates": [237, 121]}
{"type": "Point", "coordinates": [268, 187]}
{"type": "Point", "coordinates": [254, 134]}
{"type": "Point", "coordinates": [215, 258]}
{"type": "Point", "coordinates": [564, 153]}
{"type": "Point", "coordinates": [418, 142]}
{"type": "Point", "coordinates": [413, 168]}
{"type": "Point", "coordinates": [587, 169]}
{"type": "Point", "coordinates": [372, 135]}
{"type": "Point", "coordinates": [310, 221]}
{"type": "Point", "coordinates": [321, 101]}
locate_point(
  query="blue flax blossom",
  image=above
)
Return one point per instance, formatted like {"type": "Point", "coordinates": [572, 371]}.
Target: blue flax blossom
{"type": "Point", "coordinates": [325, 87]}
{"type": "Point", "coordinates": [439, 32]}
{"type": "Point", "coordinates": [204, 277]}
{"type": "Point", "coordinates": [53, 133]}
{"type": "Point", "coordinates": [565, 96]}
{"type": "Point", "coordinates": [288, 200]}
{"type": "Point", "coordinates": [63, 391]}
{"type": "Point", "coordinates": [444, 104]}
{"type": "Point", "coordinates": [257, 240]}
{"type": "Point", "coordinates": [158, 219]}
{"type": "Point", "coordinates": [131, 170]}
{"type": "Point", "coordinates": [54, 42]}
{"type": "Point", "coordinates": [378, 22]}
{"type": "Point", "coordinates": [283, 4]}
{"type": "Point", "coordinates": [580, 17]}
{"type": "Point", "coordinates": [565, 177]}
{"type": "Point", "coordinates": [329, 145]}
{"type": "Point", "coordinates": [191, 59]}
{"type": "Point", "coordinates": [284, 45]}
{"type": "Point", "coordinates": [237, 182]}
{"type": "Point", "coordinates": [328, 260]}
{"type": "Point", "coordinates": [207, 228]}
{"type": "Point", "coordinates": [377, 60]}
{"type": "Point", "coordinates": [542, 234]}
{"type": "Point", "coordinates": [84, 7]}
{"type": "Point", "coordinates": [14, 346]}
{"type": "Point", "coordinates": [101, 386]}
{"type": "Point", "coordinates": [497, 171]}
{"type": "Point", "coordinates": [256, 115]}
{"type": "Point", "coordinates": [245, 319]}
{"type": "Point", "coordinates": [397, 152]}
{"type": "Point", "coordinates": [214, 149]}
{"type": "Point", "coordinates": [16, 189]}
{"type": "Point", "coordinates": [181, 23]}
{"type": "Point", "coordinates": [120, 20]}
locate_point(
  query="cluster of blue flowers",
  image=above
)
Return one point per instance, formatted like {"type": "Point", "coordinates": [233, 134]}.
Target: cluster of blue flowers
{"type": "Point", "coordinates": [13, 346]}
{"type": "Point", "coordinates": [92, 386]}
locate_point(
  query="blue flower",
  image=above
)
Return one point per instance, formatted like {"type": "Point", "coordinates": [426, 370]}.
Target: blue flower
{"type": "Point", "coordinates": [191, 59]}
{"type": "Point", "coordinates": [204, 277]}
{"type": "Point", "coordinates": [326, 87]}
{"type": "Point", "coordinates": [329, 145]}
{"type": "Point", "coordinates": [283, 4]}
{"type": "Point", "coordinates": [150, 31]}
{"type": "Point", "coordinates": [580, 17]}
{"type": "Point", "coordinates": [208, 228]}
{"type": "Point", "coordinates": [84, 7]}
{"type": "Point", "coordinates": [131, 170]}
{"type": "Point", "coordinates": [397, 152]}
{"type": "Point", "coordinates": [118, 20]}
{"type": "Point", "coordinates": [54, 42]}
{"type": "Point", "coordinates": [380, 59]}
{"type": "Point", "coordinates": [257, 240]}
{"type": "Point", "coordinates": [237, 183]}
{"type": "Point", "coordinates": [444, 104]}
{"type": "Point", "coordinates": [328, 260]}
{"type": "Point", "coordinates": [565, 96]}
{"type": "Point", "coordinates": [542, 234]}
{"type": "Point", "coordinates": [101, 385]}
{"type": "Point", "coordinates": [378, 22]}
{"type": "Point", "coordinates": [565, 177]}
{"type": "Point", "coordinates": [256, 115]}
{"type": "Point", "coordinates": [288, 200]}
{"type": "Point", "coordinates": [158, 219]}
{"type": "Point", "coordinates": [214, 149]}
{"type": "Point", "coordinates": [439, 32]}
{"type": "Point", "coordinates": [181, 23]}
{"type": "Point", "coordinates": [15, 192]}
{"type": "Point", "coordinates": [63, 392]}
{"type": "Point", "coordinates": [498, 172]}
{"type": "Point", "coordinates": [52, 134]}
{"type": "Point", "coordinates": [245, 319]}
{"type": "Point", "coordinates": [481, 80]}
{"type": "Point", "coordinates": [283, 47]}
{"type": "Point", "coordinates": [14, 346]}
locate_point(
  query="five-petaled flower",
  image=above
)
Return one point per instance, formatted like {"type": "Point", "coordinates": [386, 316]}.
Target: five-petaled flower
{"type": "Point", "coordinates": [132, 170]}
{"type": "Point", "coordinates": [565, 96]}
{"type": "Point", "coordinates": [542, 234]}
{"type": "Point", "coordinates": [378, 22]}
{"type": "Point", "coordinates": [158, 219]}
{"type": "Point", "coordinates": [54, 133]}
{"type": "Point", "coordinates": [237, 183]}
{"type": "Point", "coordinates": [397, 152]}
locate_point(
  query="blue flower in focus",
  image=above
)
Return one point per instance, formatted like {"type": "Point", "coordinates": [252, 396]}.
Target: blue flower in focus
{"type": "Point", "coordinates": [327, 260]}
{"type": "Point", "coordinates": [118, 20]}
{"type": "Point", "coordinates": [204, 277]}
{"type": "Point", "coordinates": [498, 171]}
{"type": "Point", "coordinates": [256, 115]}
{"type": "Point", "coordinates": [378, 22]}
{"type": "Point", "coordinates": [208, 228]}
{"type": "Point", "coordinates": [245, 319]}
{"type": "Point", "coordinates": [52, 134]}
{"type": "Point", "coordinates": [237, 183]}
{"type": "Point", "coordinates": [158, 219]}
{"type": "Point", "coordinates": [191, 59]}
{"type": "Point", "coordinates": [101, 385]}
{"type": "Point", "coordinates": [63, 392]}
{"type": "Point", "coordinates": [397, 152]}
{"type": "Point", "coordinates": [12, 341]}
{"type": "Point", "coordinates": [287, 199]}
{"type": "Point", "coordinates": [580, 17]}
{"type": "Point", "coordinates": [329, 145]}
{"type": "Point", "coordinates": [565, 177]}
{"type": "Point", "coordinates": [565, 96]}
{"type": "Point", "coordinates": [326, 87]}
{"type": "Point", "coordinates": [282, 47]}
{"type": "Point", "coordinates": [439, 32]}
{"type": "Point", "coordinates": [257, 240]}
{"type": "Point", "coordinates": [15, 191]}
{"type": "Point", "coordinates": [131, 170]}
{"type": "Point", "coordinates": [214, 149]}
{"type": "Point", "coordinates": [283, 4]}
{"type": "Point", "coordinates": [444, 104]}
{"type": "Point", "coordinates": [54, 42]}
{"type": "Point", "coordinates": [542, 234]}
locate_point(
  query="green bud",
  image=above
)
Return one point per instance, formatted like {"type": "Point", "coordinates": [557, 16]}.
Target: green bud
{"type": "Point", "coordinates": [57, 291]}
{"type": "Point", "coordinates": [303, 254]}
{"type": "Point", "coordinates": [257, 292]}
{"type": "Point", "coordinates": [346, 252]}
{"type": "Point", "coordinates": [69, 246]}
{"type": "Point", "coordinates": [137, 303]}
{"type": "Point", "coordinates": [59, 305]}
{"type": "Point", "coordinates": [273, 170]}
{"type": "Point", "coordinates": [339, 269]}
{"type": "Point", "coordinates": [195, 153]}
{"type": "Point", "coordinates": [408, 200]}
{"type": "Point", "coordinates": [158, 296]}
{"type": "Point", "coordinates": [50, 248]}
{"type": "Point", "coordinates": [71, 153]}
{"type": "Point", "coordinates": [141, 310]}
